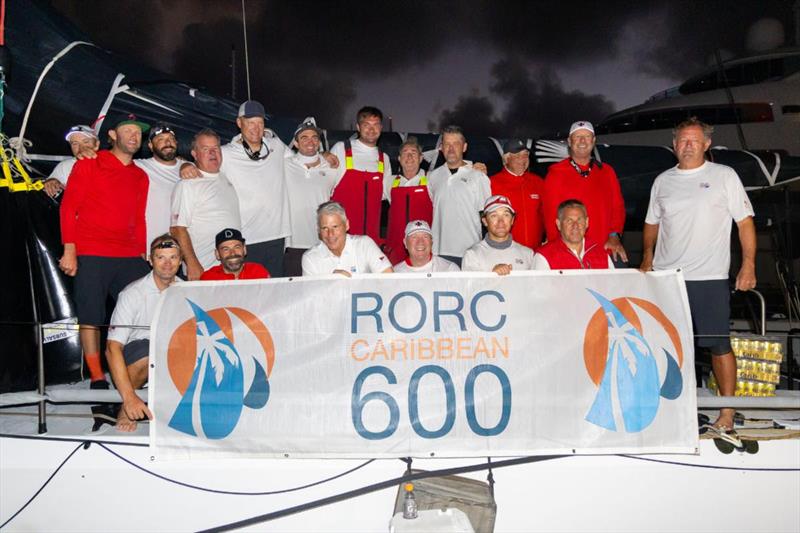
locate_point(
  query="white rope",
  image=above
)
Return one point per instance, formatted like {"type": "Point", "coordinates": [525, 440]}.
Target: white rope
{"type": "Point", "coordinates": [20, 144]}
{"type": "Point", "coordinates": [115, 89]}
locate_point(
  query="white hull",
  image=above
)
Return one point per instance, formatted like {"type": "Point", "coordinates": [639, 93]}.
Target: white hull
{"type": "Point", "coordinates": [97, 491]}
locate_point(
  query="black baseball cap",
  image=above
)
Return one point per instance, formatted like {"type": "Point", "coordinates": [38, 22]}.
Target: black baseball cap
{"type": "Point", "coordinates": [229, 234]}
{"type": "Point", "coordinates": [159, 128]}
{"type": "Point", "coordinates": [515, 146]}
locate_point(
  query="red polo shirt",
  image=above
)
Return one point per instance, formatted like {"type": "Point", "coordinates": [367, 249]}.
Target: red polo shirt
{"type": "Point", "coordinates": [249, 271]}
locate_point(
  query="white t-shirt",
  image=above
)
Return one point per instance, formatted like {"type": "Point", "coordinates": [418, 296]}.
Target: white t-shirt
{"type": "Point", "coordinates": [136, 306]}
{"type": "Point", "coordinates": [693, 209]}
{"type": "Point", "coordinates": [457, 202]}
{"type": "Point", "coordinates": [364, 158]}
{"type": "Point", "coordinates": [63, 170]}
{"type": "Point", "coordinates": [481, 257]}
{"type": "Point", "coordinates": [360, 256]}
{"type": "Point", "coordinates": [261, 187]}
{"type": "Point", "coordinates": [162, 181]}
{"type": "Point", "coordinates": [388, 184]}
{"type": "Point", "coordinates": [540, 262]}
{"type": "Point", "coordinates": [307, 188]}
{"type": "Point", "coordinates": [205, 206]}
{"type": "Point", "coordinates": [436, 264]}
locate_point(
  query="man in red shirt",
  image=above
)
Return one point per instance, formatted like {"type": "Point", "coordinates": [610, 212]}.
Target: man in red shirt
{"type": "Point", "coordinates": [595, 184]}
{"type": "Point", "coordinates": [572, 249]}
{"type": "Point", "coordinates": [524, 190]}
{"type": "Point", "coordinates": [231, 251]}
{"type": "Point", "coordinates": [103, 232]}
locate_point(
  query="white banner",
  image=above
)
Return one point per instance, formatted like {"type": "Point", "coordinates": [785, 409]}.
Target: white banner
{"type": "Point", "coordinates": [448, 365]}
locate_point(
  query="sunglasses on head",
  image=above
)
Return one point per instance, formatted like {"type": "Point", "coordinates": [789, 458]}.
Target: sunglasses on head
{"type": "Point", "coordinates": [166, 244]}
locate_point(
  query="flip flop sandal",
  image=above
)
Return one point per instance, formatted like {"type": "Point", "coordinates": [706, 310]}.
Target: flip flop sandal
{"type": "Point", "coordinates": [726, 440]}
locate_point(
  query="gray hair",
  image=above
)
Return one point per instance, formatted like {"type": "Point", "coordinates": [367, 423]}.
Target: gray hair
{"type": "Point", "coordinates": [572, 202]}
{"type": "Point", "coordinates": [692, 122]}
{"type": "Point", "coordinates": [331, 208]}
{"type": "Point", "coordinates": [453, 129]}
{"type": "Point", "coordinates": [205, 132]}
{"type": "Point", "coordinates": [412, 142]}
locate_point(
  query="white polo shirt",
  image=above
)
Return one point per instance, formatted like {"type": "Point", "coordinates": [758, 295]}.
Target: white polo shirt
{"type": "Point", "coordinates": [360, 256]}
{"type": "Point", "coordinates": [457, 202]}
{"type": "Point", "coordinates": [205, 206]}
{"type": "Point", "coordinates": [136, 306]}
{"type": "Point", "coordinates": [483, 257]}
{"type": "Point", "coordinates": [261, 187]}
{"type": "Point", "coordinates": [364, 158]}
{"type": "Point", "coordinates": [694, 210]}
{"type": "Point", "coordinates": [162, 181]}
{"type": "Point", "coordinates": [307, 188]}
{"type": "Point", "coordinates": [436, 264]}
{"type": "Point", "coordinates": [62, 170]}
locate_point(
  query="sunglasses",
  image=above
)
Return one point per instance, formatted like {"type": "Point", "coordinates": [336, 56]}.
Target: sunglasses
{"type": "Point", "coordinates": [166, 244]}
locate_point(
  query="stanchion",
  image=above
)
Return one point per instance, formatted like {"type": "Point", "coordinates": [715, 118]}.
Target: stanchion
{"type": "Point", "coordinates": [39, 346]}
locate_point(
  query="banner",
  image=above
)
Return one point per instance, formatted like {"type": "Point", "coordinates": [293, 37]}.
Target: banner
{"type": "Point", "coordinates": [445, 365]}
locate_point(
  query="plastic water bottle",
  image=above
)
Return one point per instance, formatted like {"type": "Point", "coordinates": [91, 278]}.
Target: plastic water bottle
{"type": "Point", "coordinates": [409, 502]}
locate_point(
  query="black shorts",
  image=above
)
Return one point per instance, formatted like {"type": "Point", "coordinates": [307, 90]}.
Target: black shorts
{"type": "Point", "coordinates": [709, 301]}
{"type": "Point", "coordinates": [101, 277]}
{"type": "Point", "coordinates": [135, 350]}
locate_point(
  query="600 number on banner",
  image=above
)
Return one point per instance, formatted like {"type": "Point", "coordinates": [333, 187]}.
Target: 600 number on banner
{"type": "Point", "coordinates": [358, 402]}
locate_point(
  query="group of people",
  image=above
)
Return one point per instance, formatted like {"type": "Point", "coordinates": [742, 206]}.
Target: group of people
{"type": "Point", "coordinates": [307, 212]}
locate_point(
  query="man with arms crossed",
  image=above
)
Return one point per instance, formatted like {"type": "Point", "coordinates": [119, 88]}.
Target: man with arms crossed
{"type": "Point", "coordinates": [498, 252]}
{"type": "Point", "coordinates": [688, 226]}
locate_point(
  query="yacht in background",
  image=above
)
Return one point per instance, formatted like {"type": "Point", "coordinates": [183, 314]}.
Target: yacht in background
{"type": "Point", "coordinates": [759, 92]}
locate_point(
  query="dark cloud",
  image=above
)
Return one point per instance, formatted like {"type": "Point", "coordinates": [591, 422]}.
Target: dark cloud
{"type": "Point", "coordinates": [693, 30]}
{"type": "Point", "coordinates": [536, 104]}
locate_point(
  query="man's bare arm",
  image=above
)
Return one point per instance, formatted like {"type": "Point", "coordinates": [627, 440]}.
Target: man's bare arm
{"type": "Point", "coordinates": [746, 278]}
{"type": "Point", "coordinates": [193, 267]}
{"type": "Point", "coordinates": [649, 237]}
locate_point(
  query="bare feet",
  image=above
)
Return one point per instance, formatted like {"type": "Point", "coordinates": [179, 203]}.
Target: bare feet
{"type": "Point", "coordinates": [124, 423]}
{"type": "Point", "coordinates": [725, 420]}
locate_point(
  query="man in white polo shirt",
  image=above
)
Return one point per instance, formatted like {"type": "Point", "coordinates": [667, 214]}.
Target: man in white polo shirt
{"type": "Point", "coordinates": [127, 349]}
{"type": "Point", "coordinates": [200, 207]}
{"type": "Point", "coordinates": [80, 137]}
{"type": "Point", "coordinates": [458, 192]}
{"type": "Point", "coordinates": [340, 253]}
{"type": "Point", "coordinates": [310, 181]}
{"type": "Point", "coordinates": [498, 252]}
{"type": "Point", "coordinates": [419, 243]}
{"type": "Point", "coordinates": [688, 224]}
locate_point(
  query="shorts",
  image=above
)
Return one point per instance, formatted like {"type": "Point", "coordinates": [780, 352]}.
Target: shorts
{"type": "Point", "coordinates": [135, 350]}
{"type": "Point", "coordinates": [101, 277]}
{"type": "Point", "coordinates": [709, 301]}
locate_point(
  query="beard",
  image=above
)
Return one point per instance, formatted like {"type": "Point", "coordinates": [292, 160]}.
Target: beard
{"type": "Point", "coordinates": [233, 263]}
{"type": "Point", "coordinates": [166, 153]}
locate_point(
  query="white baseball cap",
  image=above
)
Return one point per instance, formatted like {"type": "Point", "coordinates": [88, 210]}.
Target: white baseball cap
{"type": "Point", "coordinates": [415, 226]}
{"type": "Point", "coordinates": [581, 125]}
{"type": "Point", "coordinates": [496, 202]}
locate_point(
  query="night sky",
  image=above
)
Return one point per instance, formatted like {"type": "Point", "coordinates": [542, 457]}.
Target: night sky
{"type": "Point", "coordinates": [493, 67]}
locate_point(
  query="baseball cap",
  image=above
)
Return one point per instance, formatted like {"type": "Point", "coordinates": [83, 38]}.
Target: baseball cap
{"type": "Point", "coordinates": [308, 124]}
{"type": "Point", "coordinates": [131, 119]}
{"type": "Point", "coordinates": [581, 125]}
{"type": "Point", "coordinates": [415, 226]}
{"type": "Point", "coordinates": [159, 128]}
{"type": "Point", "coordinates": [228, 234]}
{"type": "Point", "coordinates": [514, 146]}
{"type": "Point", "coordinates": [496, 202]}
{"type": "Point", "coordinates": [82, 129]}
{"type": "Point", "coordinates": [250, 109]}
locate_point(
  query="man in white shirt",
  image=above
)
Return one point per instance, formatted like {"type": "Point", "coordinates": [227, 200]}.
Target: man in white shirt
{"type": "Point", "coordinates": [309, 181]}
{"type": "Point", "coordinates": [79, 137]}
{"type": "Point", "coordinates": [200, 207]}
{"type": "Point", "coordinates": [419, 243]}
{"type": "Point", "coordinates": [498, 252]}
{"type": "Point", "coordinates": [458, 192]}
{"type": "Point", "coordinates": [163, 171]}
{"type": "Point", "coordinates": [340, 253]}
{"type": "Point", "coordinates": [688, 225]}
{"type": "Point", "coordinates": [127, 349]}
